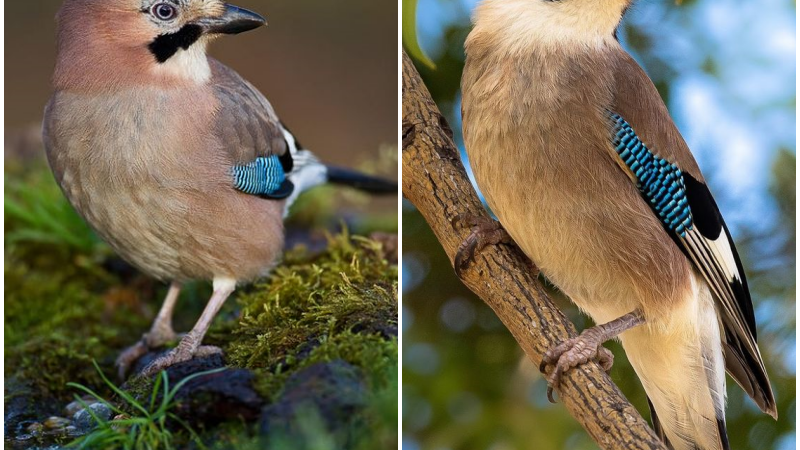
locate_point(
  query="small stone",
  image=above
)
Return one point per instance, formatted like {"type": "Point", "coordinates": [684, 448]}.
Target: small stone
{"type": "Point", "coordinates": [73, 408]}
{"type": "Point", "coordinates": [84, 421]}
{"type": "Point", "coordinates": [55, 422]}
{"type": "Point", "coordinates": [35, 428]}
{"type": "Point", "coordinates": [117, 426]}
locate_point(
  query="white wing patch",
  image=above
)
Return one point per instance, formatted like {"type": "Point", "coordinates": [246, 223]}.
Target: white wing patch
{"type": "Point", "coordinates": [307, 173]}
{"type": "Point", "coordinates": [723, 253]}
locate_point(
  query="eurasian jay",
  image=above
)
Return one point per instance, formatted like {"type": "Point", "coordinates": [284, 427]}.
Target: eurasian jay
{"type": "Point", "coordinates": [579, 159]}
{"type": "Point", "coordinates": [176, 161]}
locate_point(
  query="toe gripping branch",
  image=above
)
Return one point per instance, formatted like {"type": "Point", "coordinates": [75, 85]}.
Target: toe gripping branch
{"type": "Point", "coordinates": [484, 231]}
{"type": "Point", "coordinates": [584, 348]}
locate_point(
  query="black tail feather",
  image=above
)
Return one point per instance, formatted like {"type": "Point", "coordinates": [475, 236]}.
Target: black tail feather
{"type": "Point", "coordinates": [361, 181]}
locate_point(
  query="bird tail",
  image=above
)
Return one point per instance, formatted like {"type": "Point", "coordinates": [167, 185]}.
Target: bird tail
{"type": "Point", "coordinates": [682, 368]}
{"type": "Point", "coordinates": [361, 181]}
{"type": "Point", "coordinates": [309, 172]}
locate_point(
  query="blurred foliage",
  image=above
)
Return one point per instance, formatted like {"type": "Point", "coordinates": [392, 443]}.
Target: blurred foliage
{"type": "Point", "coordinates": [37, 213]}
{"type": "Point", "coordinates": [466, 383]}
{"type": "Point", "coordinates": [410, 41]}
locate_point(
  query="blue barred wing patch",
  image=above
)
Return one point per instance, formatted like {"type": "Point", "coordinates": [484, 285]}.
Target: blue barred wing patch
{"type": "Point", "coordinates": [265, 176]}
{"type": "Point", "coordinates": [659, 181]}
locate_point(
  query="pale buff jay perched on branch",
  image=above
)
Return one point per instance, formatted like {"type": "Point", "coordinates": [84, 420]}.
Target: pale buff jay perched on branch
{"type": "Point", "coordinates": [579, 159]}
{"type": "Point", "coordinates": [176, 161]}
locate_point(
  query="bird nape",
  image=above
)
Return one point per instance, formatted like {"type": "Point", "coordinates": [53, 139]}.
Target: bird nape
{"type": "Point", "coordinates": [175, 160]}
{"type": "Point", "coordinates": [576, 154]}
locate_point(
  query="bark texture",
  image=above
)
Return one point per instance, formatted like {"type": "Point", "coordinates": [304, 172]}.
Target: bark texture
{"type": "Point", "coordinates": [435, 181]}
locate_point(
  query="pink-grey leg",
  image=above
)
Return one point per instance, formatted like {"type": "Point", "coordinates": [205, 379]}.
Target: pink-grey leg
{"type": "Point", "coordinates": [189, 346]}
{"type": "Point", "coordinates": [160, 333]}
{"type": "Point", "coordinates": [588, 346]}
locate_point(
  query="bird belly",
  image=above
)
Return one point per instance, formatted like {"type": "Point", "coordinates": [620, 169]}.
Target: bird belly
{"type": "Point", "coordinates": [165, 204]}
{"type": "Point", "coordinates": [179, 233]}
{"type": "Point", "coordinates": [583, 223]}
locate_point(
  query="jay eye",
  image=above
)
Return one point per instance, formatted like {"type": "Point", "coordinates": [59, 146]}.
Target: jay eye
{"type": "Point", "coordinates": [164, 11]}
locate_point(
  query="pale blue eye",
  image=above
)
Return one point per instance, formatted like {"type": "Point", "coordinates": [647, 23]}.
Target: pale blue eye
{"type": "Point", "coordinates": [164, 11]}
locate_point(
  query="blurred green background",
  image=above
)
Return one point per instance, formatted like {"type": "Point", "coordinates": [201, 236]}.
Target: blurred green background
{"type": "Point", "coordinates": [726, 69]}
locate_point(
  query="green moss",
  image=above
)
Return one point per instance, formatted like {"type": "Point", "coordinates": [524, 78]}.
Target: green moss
{"type": "Point", "coordinates": [55, 326]}
{"type": "Point", "coordinates": [340, 304]}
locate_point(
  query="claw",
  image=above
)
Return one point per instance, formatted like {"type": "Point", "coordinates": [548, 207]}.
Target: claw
{"type": "Point", "coordinates": [148, 342]}
{"type": "Point", "coordinates": [484, 231]}
{"type": "Point", "coordinates": [572, 353]}
{"type": "Point", "coordinates": [178, 355]}
{"type": "Point", "coordinates": [588, 346]}
{"type": "Point", "coordinates": [128, 357]}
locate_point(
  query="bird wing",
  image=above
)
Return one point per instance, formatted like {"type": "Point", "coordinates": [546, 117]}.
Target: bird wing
{"type": "Point", "coordinates": [670, 182]}
{"type": "Point", "coordinates": [253, 136]}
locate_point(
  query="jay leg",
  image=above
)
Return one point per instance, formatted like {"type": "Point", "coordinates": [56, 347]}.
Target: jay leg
{"type": "Point", "coordinates": [160, 333]}
{"type": "Point", "coordinates": [485, 231]}
{"type": "Point", "coordinates": [189, 347]}
{"type": "Point", "coordinates": [587, 346]}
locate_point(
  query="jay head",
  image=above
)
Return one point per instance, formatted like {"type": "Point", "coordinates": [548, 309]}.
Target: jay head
{"type": "Point", "coordinates": [578, 157]}
{"type": "Point", "coordinates": [108, 44]}
{"type": "Point", "coordinates": [181, 165]}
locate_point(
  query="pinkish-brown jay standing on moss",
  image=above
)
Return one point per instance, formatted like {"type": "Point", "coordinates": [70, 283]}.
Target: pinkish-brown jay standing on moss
{"type": "Point", "coordinates": [578, 157]}
{"type": "Point", "coordinates": [176, 161]}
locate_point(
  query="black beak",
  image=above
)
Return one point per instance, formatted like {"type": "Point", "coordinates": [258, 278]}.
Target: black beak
{"type": "Point", "coordinates": [235, 20]}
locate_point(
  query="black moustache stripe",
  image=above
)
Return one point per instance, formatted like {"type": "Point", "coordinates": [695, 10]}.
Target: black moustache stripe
{"type": "Point", "coordinates": [166, 45]}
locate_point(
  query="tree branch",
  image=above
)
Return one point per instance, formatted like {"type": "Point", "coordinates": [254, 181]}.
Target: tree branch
{"type": "Point", "coordinates": [435, 181]}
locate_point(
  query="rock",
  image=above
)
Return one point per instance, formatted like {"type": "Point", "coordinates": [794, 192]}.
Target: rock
{"type": "Point", "coordinates": [35, 428]}
{"type": "Point", "coordinates": [207, 399]}
{"type": "Point", "coordinates": [334, 390]}
{"type": "Point", "coordinates": [22, 408]}
{"type": "Point", "coordinates": [215, 397]}
{"type": "Point", "coordinates": [83, 420]}
{"type": "Point", "coordinates": [71, 409]}
{"type": "Point", "coordinates": [55, 423]}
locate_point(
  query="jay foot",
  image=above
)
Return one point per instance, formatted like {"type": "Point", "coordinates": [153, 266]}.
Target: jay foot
{"type": "Point", "coordinates": [584, 348]}
{"type": "Point", "coordinates": [149, 341]}
{"type": "Point", "coordinates": [484, 231]}
{"type": "Point", "coordinates": [572, 353]}
{"type": "Point", "coordinates": [178, 355]}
